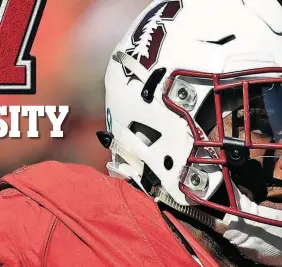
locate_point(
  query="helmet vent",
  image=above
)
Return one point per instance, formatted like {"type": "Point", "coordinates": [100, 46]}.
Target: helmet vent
{"type": "Point", "coordinates": [223, 40]}
{"type": "Point", "coordinates": [145, 133]}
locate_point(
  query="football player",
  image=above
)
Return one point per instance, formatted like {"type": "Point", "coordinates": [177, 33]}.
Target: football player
{"type": "Point", "coordinates": [193, 111]}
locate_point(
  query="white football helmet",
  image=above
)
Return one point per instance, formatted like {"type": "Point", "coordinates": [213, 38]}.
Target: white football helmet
{"type": "Point", "coordinates": [183, 66]}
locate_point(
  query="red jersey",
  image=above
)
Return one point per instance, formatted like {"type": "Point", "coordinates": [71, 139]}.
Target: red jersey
{"type": "Point", "coordinates": [58, 215]}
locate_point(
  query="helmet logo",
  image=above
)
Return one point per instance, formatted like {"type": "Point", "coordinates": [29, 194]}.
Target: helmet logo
{"type": "Point", "coordinates": [151, 32]}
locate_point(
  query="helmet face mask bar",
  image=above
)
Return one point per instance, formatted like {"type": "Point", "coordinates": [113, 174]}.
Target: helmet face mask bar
{"type": "Point", "coordinates": [221, 84]}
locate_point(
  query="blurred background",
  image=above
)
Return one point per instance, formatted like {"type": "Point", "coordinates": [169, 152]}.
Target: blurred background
{"type": "Point", "coordinates": [73, 45]}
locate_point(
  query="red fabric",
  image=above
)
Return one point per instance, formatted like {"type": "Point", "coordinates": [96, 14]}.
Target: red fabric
{"type": "Point", "coordinates": [204, 256]}
{"type": "Point", "coordinates": [71, 215]}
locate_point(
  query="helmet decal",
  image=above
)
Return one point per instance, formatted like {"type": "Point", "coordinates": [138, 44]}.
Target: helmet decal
{"type": "Point", "coordinates": [151, 32]}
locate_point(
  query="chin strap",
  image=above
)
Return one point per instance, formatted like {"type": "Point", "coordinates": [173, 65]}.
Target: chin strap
{"type": "Point", "coordinates": [182, 239]}
{"type": "Point", "coordinates": [150, 184]}
{"type": "Point", "coordinates": [216, 224]}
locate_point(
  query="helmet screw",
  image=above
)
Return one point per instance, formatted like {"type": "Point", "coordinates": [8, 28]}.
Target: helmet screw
{"type": "Point", "coordinates": [145, 93]}
{"type": "Point", "coordinates": [195, 179]}
{"type": "Point", "coordinates": [235, 154]}
{"type": "Point", "coordinates": [182, 93]}
{"type": "Point", "coordinates": [168, 163]}
{"type": "Point", "coordinates": [105, 138]}
{"type": "Point", "coordinates": [107, 141]}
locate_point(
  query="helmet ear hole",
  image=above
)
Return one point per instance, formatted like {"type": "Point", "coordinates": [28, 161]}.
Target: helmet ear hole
{"type": "Point", "coordinates": [145, 133]}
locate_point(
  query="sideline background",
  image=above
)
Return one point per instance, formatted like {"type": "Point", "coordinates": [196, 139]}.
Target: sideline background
{"type": "Point", "coordinates": [73, 44]}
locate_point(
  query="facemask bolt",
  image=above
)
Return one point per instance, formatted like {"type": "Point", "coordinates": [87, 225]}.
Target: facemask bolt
{"type": "Point", "coordinates": [182, 93]}
{"type": "Point", "coordinates": [235, 154]}
{"type": "Point", "coordinates": [195, 179]}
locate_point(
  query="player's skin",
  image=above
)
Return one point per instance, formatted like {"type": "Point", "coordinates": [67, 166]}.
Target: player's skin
{"type": "Point", "coordinates": [273, 192]}
{"type": "Point", "coordinates": [268, 193]}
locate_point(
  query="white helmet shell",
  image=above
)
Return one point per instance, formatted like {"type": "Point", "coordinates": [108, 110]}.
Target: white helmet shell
{"type": "Point", "coordinates": [212, 36]}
